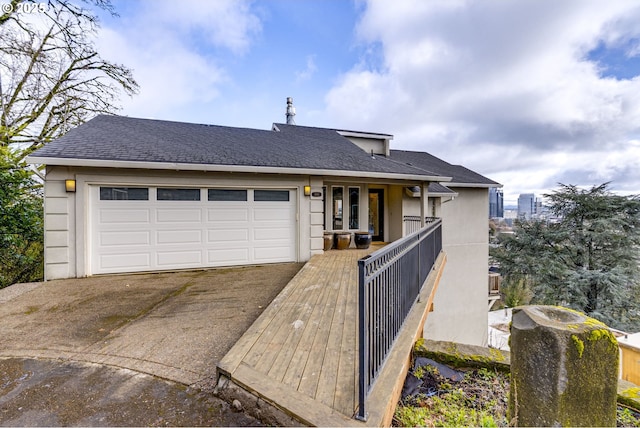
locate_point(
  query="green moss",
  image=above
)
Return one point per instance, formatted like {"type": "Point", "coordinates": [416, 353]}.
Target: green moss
{"type": "Point", "coordinates": [630, 397]}
{"type": "Point", "coordinates": [579, 344]}
{"type": "Point", "coordinates": [496, 354]}
{"type": "Point", "coordinates": [603, 333]}
{"type": "Point", "coordinates": [571, 310]}
{"type": "Point", "coordinates": [631, 393]}
{"type": "Point", "coordinates": [592, 322]}
{"type": "Point", "coordinates": [32, 309]}
{"type": "Point", "coordinates": [449, 353]}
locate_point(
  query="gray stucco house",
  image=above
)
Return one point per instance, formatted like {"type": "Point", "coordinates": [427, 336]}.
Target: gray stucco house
{"type": "Point", "coordinates": [133, 195]}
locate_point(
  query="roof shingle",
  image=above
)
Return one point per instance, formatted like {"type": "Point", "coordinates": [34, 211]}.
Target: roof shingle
{"type": "Point", "coordinates": [119, 138]}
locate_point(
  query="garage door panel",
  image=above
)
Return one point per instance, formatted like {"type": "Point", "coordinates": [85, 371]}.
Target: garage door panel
{"type": "Point", "coordinates": [175, 215]}
{"type": "Point", "coordinates": [121, 216]}
{"type": "Point", "coordinates": [178, 258]}
{"type": "Point", "coordinates": [272, 254]}
{"type": "Point", "coordinates": [275, 233]}
{"type": "Point", "coordinates": [227, 256]}
{"type": "Point", "coordinates": [272, 214]}
{"type": "Point", "coordinates": [125, 260]}
{"type": "Point", "coordinates": [227, 235]}
{"type": "Point", "coordinates": [179, 237]}
{"type": "Point", "coordinates": [126, 238]}
{"type": "Point", "coordinates": [228, 215]}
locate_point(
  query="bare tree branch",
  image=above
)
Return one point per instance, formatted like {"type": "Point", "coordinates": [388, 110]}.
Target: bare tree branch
{"type": "Point", "coordinates": [51, 77]}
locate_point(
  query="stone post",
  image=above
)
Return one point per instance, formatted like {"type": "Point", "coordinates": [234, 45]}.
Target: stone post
{"type": "Point", "coordinates": [564, 369]}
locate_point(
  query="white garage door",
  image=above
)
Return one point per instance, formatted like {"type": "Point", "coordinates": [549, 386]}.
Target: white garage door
{"type": "Point", "coordinates": [137, 229]}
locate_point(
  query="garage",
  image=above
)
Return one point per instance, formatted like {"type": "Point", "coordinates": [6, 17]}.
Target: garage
{"type": "Point", "coordinates": [146, 228]}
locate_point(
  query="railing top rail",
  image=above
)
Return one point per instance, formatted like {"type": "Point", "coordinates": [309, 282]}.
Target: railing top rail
{"type": "Point", "coordinates": [429, 227]}
{"type": "Point", "coordinates": [417, 218]}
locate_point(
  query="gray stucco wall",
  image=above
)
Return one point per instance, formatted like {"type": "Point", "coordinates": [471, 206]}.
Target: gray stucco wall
{"type": "Point", "coordinates": [460, 305]}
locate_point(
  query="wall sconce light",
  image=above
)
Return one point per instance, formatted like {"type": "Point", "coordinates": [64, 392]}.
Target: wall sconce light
{"type": "Point", "coordinates": [307, 190]}
{"type": "Point", "coordinates": [70, 185]}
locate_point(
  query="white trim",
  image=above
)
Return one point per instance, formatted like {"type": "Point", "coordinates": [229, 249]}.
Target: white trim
{"type": "Point", "coordinates": [227, 168]}
{"type": "Point", "coordinates": [365, 135]}
{"type": "Point", "coordinates": [486, 185]}
{"type": "Point", "coordinates": [442, 195]}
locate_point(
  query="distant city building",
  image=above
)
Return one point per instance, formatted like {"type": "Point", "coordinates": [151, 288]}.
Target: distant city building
{"type": "Point", "coordinates": [531, 207]}
{"type": "Point", "coordinates": [526, 206]}
{"type": "Point", "coordinates": [496, 203]}
{"type": "Point", "coordinates": [538, 209]}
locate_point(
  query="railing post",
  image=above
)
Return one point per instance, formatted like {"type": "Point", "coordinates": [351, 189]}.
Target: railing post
{"type": "Point", "coordinates": [363, 332]}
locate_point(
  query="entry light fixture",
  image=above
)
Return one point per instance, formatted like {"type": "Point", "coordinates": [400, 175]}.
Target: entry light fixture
{"type": "Point", "coordinates": [307, 190]}
{"type": "Point", "coordinates": [70, 185]}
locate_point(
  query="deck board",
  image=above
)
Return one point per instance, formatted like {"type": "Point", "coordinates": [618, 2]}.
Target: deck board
{"type": "Point", "coordinates": [327, 383]}
{"type": "Point", "coordinates": [293, 371]}
{"type": "Point", "coordinates": [304, 346]}
{"type": "Point", "coordinates": [297, 374]}
{"type": "Point", "coordinates": [292, 308]}
{"type": "Point", "coordinates": [286, 331]}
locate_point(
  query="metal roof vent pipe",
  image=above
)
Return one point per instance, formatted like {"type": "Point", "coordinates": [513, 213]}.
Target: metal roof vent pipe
{"type": "Point", "coordinates": [291, 111]}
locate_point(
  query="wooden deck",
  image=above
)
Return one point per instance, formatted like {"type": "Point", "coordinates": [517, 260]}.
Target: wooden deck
{"type": "Point", "coordinates": [301, 353]}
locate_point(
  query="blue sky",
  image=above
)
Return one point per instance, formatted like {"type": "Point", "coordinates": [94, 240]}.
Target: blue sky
{"type": "Point", "coordinates": [528, 93]}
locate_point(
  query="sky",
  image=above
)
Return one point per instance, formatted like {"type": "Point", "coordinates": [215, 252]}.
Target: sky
{"type": "Point", "coordinates": [528, 93]}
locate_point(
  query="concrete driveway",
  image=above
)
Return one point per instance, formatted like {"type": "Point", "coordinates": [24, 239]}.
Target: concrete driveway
{"type": "Point", "coordinates": [172, 326]}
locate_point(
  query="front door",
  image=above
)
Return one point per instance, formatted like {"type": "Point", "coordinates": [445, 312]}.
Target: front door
{"type": "Point", "coordinates": [376, 214]}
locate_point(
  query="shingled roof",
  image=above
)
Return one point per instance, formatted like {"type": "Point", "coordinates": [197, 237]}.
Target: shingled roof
{"type": "Point", "coordinates": [144, 143]}
{"type": "Point", "coordinates": [458, 173]}
{"type": "Point", "coordinates": [126, 141]}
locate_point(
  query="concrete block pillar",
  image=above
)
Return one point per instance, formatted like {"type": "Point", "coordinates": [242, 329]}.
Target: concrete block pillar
{"type": "Point", "coordinates": [564, 369]}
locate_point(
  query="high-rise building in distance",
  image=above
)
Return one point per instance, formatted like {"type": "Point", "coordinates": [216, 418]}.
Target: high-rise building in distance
{"type": "Point", "coordinates": [496, 203]}
{"type": "Point", "coordinates": [526, 206]}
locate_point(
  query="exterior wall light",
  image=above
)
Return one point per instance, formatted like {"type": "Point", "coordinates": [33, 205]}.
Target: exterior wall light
{"type": "Point", "coordinates": [307, 190]}
{"type": "Point", "coordinates": [70, 185]}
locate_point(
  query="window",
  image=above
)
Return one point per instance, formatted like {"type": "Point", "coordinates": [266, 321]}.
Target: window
{"type": "Point", "coordinates": [124, 194]}
{"type": "Point", "coordinates": [271, 195]}
{"type": "Point", "coordinates": [324, 207]}
{"type": "Point", "coordinates": [178, 194]}
{"type": "Point", "coordinates": [354, 207]}
{"type": "Point", "coordinates": [337, 193]}
{"type": "Point", "coordinates": [227, 195]}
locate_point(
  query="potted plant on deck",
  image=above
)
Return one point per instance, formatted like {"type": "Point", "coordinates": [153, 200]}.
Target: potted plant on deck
{"type": "Point", "coordinates": [362, 240]}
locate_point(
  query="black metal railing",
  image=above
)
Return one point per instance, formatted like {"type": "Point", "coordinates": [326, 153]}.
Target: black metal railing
{"type": "Point", "coordinates": [390, 280]}
{"type": "Point", "coordinates": [413, 224]}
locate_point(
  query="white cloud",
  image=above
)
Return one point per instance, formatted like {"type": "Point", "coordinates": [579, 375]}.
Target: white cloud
{"type": "Point", "coordinates": [169, 46]}
{"type": "Point", "coordinates": [309, 71]}
{"type": "Point", "coordinates": [230, 24]}
{"type": "Point", "coordinates": [501, 87]}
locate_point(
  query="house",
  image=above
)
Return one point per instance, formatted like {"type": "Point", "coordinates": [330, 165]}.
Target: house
{"type": "Point", "coordinates": [629, 357]}
{"type": "Point", "coordinates": [131, 195]}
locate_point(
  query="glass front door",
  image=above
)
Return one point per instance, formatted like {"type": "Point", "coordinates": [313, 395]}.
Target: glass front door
{"type": "Point", "coordinates": [376, 214]}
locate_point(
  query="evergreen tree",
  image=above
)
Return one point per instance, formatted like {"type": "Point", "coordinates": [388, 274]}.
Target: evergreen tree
{"type": "Point", "coordinates": [21, 227]}
{"type": "Point", "coordinates": [587, 260]}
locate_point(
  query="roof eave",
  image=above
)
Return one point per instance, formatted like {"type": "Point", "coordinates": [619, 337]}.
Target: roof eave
{"type": "Point", "coordinates": [174, 166]}
{"type": "Point", "coordinates": [477, 185]}
{"type": "Point", "coordinates": [443, 194]}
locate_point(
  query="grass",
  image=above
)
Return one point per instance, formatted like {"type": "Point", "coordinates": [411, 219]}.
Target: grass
{"type": "Point", "coordinates": [480, 399]}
